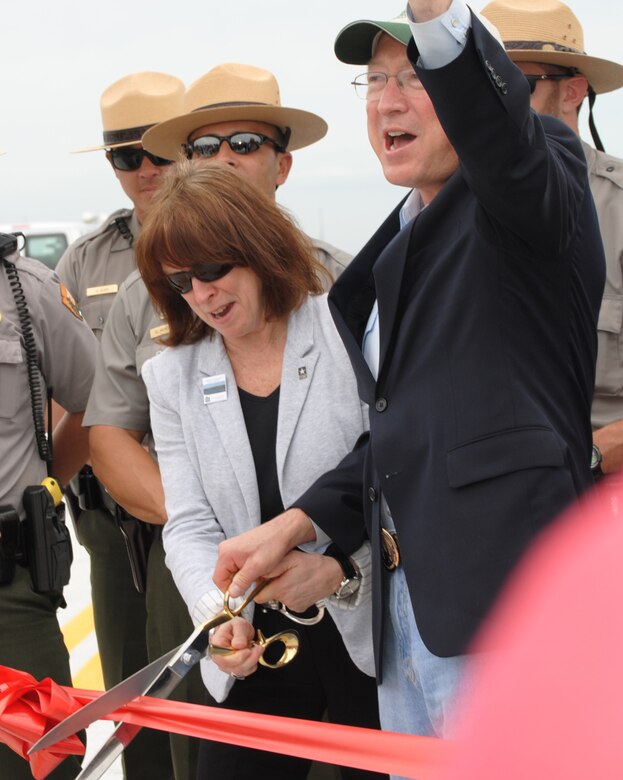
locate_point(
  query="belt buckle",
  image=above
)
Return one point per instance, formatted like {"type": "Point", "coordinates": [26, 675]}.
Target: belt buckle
{"type": "Point", "coordinates": [390, 552]}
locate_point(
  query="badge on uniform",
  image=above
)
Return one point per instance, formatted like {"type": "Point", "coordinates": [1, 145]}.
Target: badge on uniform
{"type": "Point", "coordinates": [214, 388]}
{"type": "Point", "coordinates": [67, 299]}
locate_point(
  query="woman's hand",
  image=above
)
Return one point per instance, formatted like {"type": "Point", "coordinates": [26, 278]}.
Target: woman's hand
{"type": "Point", "coordinates": [238, 635]}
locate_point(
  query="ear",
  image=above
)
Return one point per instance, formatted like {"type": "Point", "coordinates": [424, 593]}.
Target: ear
{"type": "Point", "coordinates": [284, 167]}
{"type": "Point", "coordinates": [575, 90]}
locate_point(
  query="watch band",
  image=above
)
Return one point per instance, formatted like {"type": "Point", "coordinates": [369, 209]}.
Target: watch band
{"type": "Point", "coordinates": [348, 569]}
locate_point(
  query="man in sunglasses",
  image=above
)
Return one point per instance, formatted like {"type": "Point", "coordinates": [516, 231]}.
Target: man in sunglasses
{"type": "Point", "coordinates": [547, 44]}
{"type": "Point", "coordinates": [93, 269]}
{"type": "Point", "coordinates": [470, 320]}
{"type": "Point", "coordinates": [232, 115]}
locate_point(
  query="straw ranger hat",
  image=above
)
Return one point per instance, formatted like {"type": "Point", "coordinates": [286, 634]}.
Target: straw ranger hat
{"type": "Point", "coordinates": [233, 92]}
{"type": "Point", "coordinates": [134, 103]}
{"type": "Point", "coordinates": [548, 31]}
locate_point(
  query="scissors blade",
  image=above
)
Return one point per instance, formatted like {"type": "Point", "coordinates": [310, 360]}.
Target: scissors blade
{"type": "Point", "coordinates": [108, 702]}
{"type": "Point", "coordinates": [109, 752]}
{"type": "Point", "coordinates": [159, 679]}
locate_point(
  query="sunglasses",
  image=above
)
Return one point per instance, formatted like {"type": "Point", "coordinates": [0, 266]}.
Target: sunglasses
{"type": "Point", "coordinates": [240, 143]}
{"type": "Point", "coordinates": [533, 79]}
{"type": "Point", "coordinates": [131, 159]}
{"type": "Point", "coordinates": [182, 281]}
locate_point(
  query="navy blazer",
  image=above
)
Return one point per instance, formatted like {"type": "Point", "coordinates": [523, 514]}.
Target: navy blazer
{"type": "Point", "coordinates": [480, 417]}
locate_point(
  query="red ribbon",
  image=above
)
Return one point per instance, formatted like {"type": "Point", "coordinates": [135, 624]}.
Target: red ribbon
{"type": "Point", "coordinates": [28, 709]}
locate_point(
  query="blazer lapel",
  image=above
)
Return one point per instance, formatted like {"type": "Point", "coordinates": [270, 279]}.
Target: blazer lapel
{"type": "Point", "coordinates": [299, 361]}
{"type": "Point", "coordinates": [353, 295]}
{"type": "Point", "coordinates": [229, 422]}
{"type": "Point", "coordinates": [388, 273]}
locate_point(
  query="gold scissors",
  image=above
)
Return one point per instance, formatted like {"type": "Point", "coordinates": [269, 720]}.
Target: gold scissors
{"type": "Point", "coordinates": [159, 679]}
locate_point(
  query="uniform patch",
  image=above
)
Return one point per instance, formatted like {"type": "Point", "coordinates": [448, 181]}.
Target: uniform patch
{"type": "Point", "coordinates": [104, 289]}
{"type": "Point", "coordinates": [161, 330]}
{"type": "Point", "coordinates": [67, 299]}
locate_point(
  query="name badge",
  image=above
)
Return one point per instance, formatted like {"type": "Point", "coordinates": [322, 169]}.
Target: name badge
{"type": "Point", "coordinates": [104, 289]}
{"type": "Point", "coordinates": [161, 330]}
{"type": "Point", "coordinates": [214, 388]}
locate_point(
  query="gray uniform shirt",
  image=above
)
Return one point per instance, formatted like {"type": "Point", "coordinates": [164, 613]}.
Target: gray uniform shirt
{"type": "Point", "coordinates": [66, 358]}
{"type": "Point", "coordinates": [606, 181]}
{"type": "Point", "coordinates": [95, 266]}
{"type": "Point", "coordinates": [132, 334]}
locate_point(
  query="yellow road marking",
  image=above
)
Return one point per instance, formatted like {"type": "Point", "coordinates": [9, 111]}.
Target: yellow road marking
{"type": "Point", "coordinates": [78, 628]}
{"type": "Point", "coordinates": [76, 631]}
{"type": "Point", "coordinates": [90, 675]}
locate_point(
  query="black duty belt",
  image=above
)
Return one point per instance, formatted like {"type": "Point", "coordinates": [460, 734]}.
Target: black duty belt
{"type": "Point", "coordinates": [390, 551]}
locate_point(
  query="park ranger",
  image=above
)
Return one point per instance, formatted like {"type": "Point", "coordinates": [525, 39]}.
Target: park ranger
{"type": "Point", "coordinates": [41, 331]}
{"type": "Point", "coordinates": [93, 268]}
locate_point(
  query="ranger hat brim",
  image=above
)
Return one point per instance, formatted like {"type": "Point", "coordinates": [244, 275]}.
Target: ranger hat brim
{"type": "Point", "coordinates": [229, 93]}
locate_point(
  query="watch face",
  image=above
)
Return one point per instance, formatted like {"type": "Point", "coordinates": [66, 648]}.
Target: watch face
{"type": "Point", "coordinates": [347, 588]}
{"type": "Point", "coordinates": [595, 457]}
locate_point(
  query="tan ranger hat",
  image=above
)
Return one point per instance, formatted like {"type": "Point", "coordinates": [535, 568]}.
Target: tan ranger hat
{"type": "Point", "coordinates": [233, 92]}
{"type": "Point", "coordinates": [136, 102]}
{"type": "Point", "coordinates": [548, 31]}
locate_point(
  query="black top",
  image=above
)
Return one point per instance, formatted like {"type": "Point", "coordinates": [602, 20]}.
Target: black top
{"type": "Point", "coordinates": [260, 417]}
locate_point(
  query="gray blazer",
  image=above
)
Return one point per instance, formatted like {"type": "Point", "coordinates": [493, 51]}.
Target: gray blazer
{"type": "Point", "coordinates": [207, 466]}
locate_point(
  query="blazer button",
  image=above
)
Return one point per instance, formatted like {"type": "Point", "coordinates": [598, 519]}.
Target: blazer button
{"type": "Point", "coordinates": [372, 494]}
{"type": "Point", "coordinates": [380, 405]}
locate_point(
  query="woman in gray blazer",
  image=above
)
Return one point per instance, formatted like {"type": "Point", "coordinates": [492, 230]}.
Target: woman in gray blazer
{"type": "Point", "coordinates": [253, 400]}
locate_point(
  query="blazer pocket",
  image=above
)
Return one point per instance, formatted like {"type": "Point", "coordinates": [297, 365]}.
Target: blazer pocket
{"type": "Point", "coordinates": [503, 453]}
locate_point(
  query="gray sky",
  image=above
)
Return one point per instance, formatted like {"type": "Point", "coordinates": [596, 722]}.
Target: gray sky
{"type": "Point", "coordinates": [57, 57]}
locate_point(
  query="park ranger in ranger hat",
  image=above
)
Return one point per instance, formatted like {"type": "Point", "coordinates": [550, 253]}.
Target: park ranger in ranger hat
{"type": "Point", "coordinates": [546, 41]}
{"type": "Point", "coordinates": [94, 268]}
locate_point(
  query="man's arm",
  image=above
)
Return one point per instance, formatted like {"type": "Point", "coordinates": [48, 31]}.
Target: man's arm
{"type": "Point", "coordinates": [254, 554]}
{"type": "Point", "coordinates": [70, 446]}
{"type": "Point", "coordinates": [128, 471]}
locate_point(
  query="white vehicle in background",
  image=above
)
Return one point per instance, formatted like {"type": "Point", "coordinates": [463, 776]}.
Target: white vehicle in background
{"type": "Point", "coordinates": [46, 241]}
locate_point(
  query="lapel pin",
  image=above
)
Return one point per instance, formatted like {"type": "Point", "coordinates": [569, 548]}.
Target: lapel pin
{"type": "Point", "coordinates": [302, 372]}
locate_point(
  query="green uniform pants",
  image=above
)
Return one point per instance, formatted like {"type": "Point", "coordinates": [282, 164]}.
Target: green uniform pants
{"type": "Point", "coordinates": [31, 640]}
{"type": "Point", "coordinates": [120, 625]}
{"type": "Point", "coordinates": [168, 625]}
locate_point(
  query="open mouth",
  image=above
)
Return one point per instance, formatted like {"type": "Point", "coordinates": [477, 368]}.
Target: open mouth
{"type": "Point", "coordinates": [223, 311]}
{"type": "Point", "coordinates": [397, 139]}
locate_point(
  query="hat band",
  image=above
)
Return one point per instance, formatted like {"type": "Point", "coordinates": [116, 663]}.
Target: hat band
{"type": "Point", "coordinates": [122, 136]}
{"type": "Point", "coordinates": [542, 46]}
{"type": "Point", "coordinates": [235, 103]}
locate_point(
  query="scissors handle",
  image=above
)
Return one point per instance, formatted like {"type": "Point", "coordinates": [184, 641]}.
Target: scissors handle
{"type": "Point", "coordinates": [289, 640]}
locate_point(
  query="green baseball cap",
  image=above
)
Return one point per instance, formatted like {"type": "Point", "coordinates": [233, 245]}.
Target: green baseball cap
{"type": "Point", "coordinates": [354, 43]}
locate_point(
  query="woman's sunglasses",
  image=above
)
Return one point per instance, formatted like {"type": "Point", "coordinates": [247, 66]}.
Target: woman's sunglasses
{"type": "Point", "coordinates": [131, 159]}
{"type": "Point", "coordinates": [240, 143]}
{"type": "Point", "coordinates": [182, 281]}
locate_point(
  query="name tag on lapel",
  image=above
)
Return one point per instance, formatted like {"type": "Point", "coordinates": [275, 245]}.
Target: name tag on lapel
{"type": "Point", "coordinates": [214, 388]}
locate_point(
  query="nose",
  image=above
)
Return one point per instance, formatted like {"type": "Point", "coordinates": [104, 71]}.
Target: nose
{"type": "Point", "coordinates": [149, 169]}
{"type": "Point", "coordinates": [225, 155]}
{"type": "Point", "coordinates": [202, 291]}
{"type": "Point", "coordinates": [392, 97]}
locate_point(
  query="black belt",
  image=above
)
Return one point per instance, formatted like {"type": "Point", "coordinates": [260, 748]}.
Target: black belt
{"type": "Point", "coordinates": [390, 551]}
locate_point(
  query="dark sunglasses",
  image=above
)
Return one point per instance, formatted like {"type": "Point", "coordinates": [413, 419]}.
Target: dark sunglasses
{"type": "Point", "coordinates": [131, 159]}
{"type": "Point", "coordinates": [240, 143]}
{"type": "Point", "coordinates": [533, 79]}
{"type": "Point", "coordinates": [182, 281]}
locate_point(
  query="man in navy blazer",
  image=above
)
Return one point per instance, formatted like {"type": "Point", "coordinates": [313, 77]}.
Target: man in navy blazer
{"type": "Point", "coordinates": [470, 320]}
